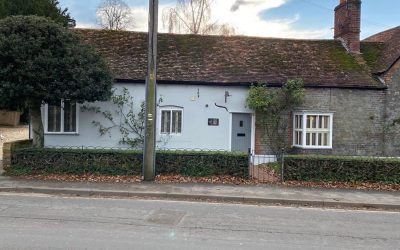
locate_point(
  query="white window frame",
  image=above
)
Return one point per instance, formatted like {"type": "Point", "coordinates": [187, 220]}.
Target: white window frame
{"type": "Point", "coordinates": [170, 110]}
{"type": "Point", "coordinates": [46, 120]}
{"type": "Point", "coordinates": [304, 129]}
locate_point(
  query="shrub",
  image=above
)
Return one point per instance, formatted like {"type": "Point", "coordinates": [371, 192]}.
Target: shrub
{"type": "Point", "coordinates": [123, 162]}
{"type": "Point", "coordinates": [342, 168]}
{"type": "Point", "coordinates": [202, 163]}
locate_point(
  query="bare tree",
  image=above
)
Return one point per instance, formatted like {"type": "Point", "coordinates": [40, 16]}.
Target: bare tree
{"type": "Point", "coordinates": [194, 17]}
{"type": "Point", "coordinates": [114, 15]}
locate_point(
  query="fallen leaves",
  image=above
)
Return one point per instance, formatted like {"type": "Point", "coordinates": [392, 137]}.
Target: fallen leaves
{"type": "Point", "coordinates": [264, 173]}
{"type": "Point", "coordinates": [85, 178]}
{"type": "Point", "coordinates": [221, 179]}
{"type": "Point", "coordinates": [343, 185]}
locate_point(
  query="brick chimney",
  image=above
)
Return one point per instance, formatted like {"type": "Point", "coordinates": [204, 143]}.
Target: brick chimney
{"type": "Point", "coordinates": [347, 24]}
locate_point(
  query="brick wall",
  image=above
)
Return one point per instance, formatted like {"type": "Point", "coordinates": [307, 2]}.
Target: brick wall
{"type": "Point", "coordinates": [358, 120]}
{"type": "Point", "coordinates": [347, 23]}
{"type": "Point", "coordinates": [8, 148]}
{"type": "Point", "coordinates": [261, 141]}
{"type": "Point", "coordinates": [392, 138]}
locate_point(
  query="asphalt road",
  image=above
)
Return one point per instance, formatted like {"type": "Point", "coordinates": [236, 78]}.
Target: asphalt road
{"type": "Point", "coordinates": [30, 221]}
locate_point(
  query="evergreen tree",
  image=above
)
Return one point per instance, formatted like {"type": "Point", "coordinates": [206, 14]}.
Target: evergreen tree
{"type": "Point", "coordinates": [45, 8]}
{"type": "Point", "coordinates": [41, 61]}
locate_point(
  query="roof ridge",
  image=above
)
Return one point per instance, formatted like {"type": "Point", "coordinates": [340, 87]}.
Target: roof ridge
{"type": "Point", "coordinates": [381, 35]}
{"type": "Point", "coordinates": [210, 36]}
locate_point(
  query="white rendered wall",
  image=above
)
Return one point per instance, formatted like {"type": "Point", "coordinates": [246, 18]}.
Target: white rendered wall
{"type": "Point", "coordinates": [198, 104]}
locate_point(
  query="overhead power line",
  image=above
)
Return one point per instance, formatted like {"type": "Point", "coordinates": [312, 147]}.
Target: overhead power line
{"type": "Point", "coordinates": [322, 7]}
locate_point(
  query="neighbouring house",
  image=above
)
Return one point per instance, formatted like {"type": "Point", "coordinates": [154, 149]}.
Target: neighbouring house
{"type": "Point", "coordinates": [352, 90]}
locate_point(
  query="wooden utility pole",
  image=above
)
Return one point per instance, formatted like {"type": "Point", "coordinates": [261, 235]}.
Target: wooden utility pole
{"type": "Point", "coordinates": [149, 156]}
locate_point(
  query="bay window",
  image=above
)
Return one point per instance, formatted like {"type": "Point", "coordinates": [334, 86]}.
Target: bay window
{"type": "Point", "coordinates": [312, 130]}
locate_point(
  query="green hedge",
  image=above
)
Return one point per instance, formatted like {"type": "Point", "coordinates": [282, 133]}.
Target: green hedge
{"type": "Point", "coordinates": [342, 168]}
{"type": "Point", "coordinates": [123, 162]}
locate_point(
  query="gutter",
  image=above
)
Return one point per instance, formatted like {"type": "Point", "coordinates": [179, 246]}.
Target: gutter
{"type": "Point", "coordinates": [247, 84]}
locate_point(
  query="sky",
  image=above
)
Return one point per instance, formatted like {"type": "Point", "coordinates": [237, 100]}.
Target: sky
{"type": "Point", "coordinates": [308, 19]}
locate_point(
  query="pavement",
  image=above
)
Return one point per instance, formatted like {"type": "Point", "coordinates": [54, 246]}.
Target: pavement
{"type": "Point", "coordinates": [261, 194]}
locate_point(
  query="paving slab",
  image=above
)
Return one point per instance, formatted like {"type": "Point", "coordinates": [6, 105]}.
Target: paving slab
{"type": "Point", "coordinates": [266, 194]}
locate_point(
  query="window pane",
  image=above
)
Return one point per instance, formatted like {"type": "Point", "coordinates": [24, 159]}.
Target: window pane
{"type": "Point", "coordinates": [320, 121]}
{"type": "Point", "coordinates": [300, 138]}
{"type": "Point", "coordinates": [308, 139]}
{"type": "Point", "coordinates": [326, 139]}
{"type": "Point", "coordinates": [313, 139]}
{"type": "Point", "coordinates": [176, 121]}
{"type": "Point", "coordinates": [54, 118]}
{"type": "Point", "coordinates": [313, 121]}
{"type": "Point", "coordinates": [165, 121]}
{"type": "Point", "coordinates": [320, 139]}
{"type": "Point", "coordinates": [69, 116]}
{"type": "Point", "coordinates": [180, 122]}
{"type": "Point", "coordinates": [298, 121]}
{"type": "Point", "coordinates": [326, 122]}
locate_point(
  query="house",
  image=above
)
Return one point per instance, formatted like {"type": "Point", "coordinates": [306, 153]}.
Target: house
{"type": "Point", "coordinates": [352, 89]}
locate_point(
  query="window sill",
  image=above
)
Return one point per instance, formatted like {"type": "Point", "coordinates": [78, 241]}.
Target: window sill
{"type": "Point", "coordinates": [61, 133]}
{"type": "Point", "coordinates": [305, 147]}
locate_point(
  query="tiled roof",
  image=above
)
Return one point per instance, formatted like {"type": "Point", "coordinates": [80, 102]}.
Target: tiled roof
{"type": "Point", "coordinates": [234, 60]}
{"type": "Point", "coordinates": [391, 49]}
{"type": "Point", "coordinates": [383, 36]}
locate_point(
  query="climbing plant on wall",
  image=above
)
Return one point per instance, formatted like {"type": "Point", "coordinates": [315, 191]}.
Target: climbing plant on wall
{"type": "Point", "coordinates": [273, 107]}
{"type": "Point", "coordinates": [124, 117]}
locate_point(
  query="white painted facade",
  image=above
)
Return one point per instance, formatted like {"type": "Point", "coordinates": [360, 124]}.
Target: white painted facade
{"type": "Point", "coordinates": [198, 105]}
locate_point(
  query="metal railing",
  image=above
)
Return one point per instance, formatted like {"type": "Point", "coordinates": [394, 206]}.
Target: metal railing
{"type": "Point", "coordinates": [266, 168]}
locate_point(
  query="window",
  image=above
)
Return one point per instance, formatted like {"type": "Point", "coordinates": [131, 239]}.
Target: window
{"type": "Point", "coordinates": [61, 118]}
{"type": "Point", "coordinates": [171, 121]}
{"type": "Point", "coordinates": [312, 130]}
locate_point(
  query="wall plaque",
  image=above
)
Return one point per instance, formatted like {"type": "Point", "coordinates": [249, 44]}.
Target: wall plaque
{"type": "Point", "coordinates": [213, 122]}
